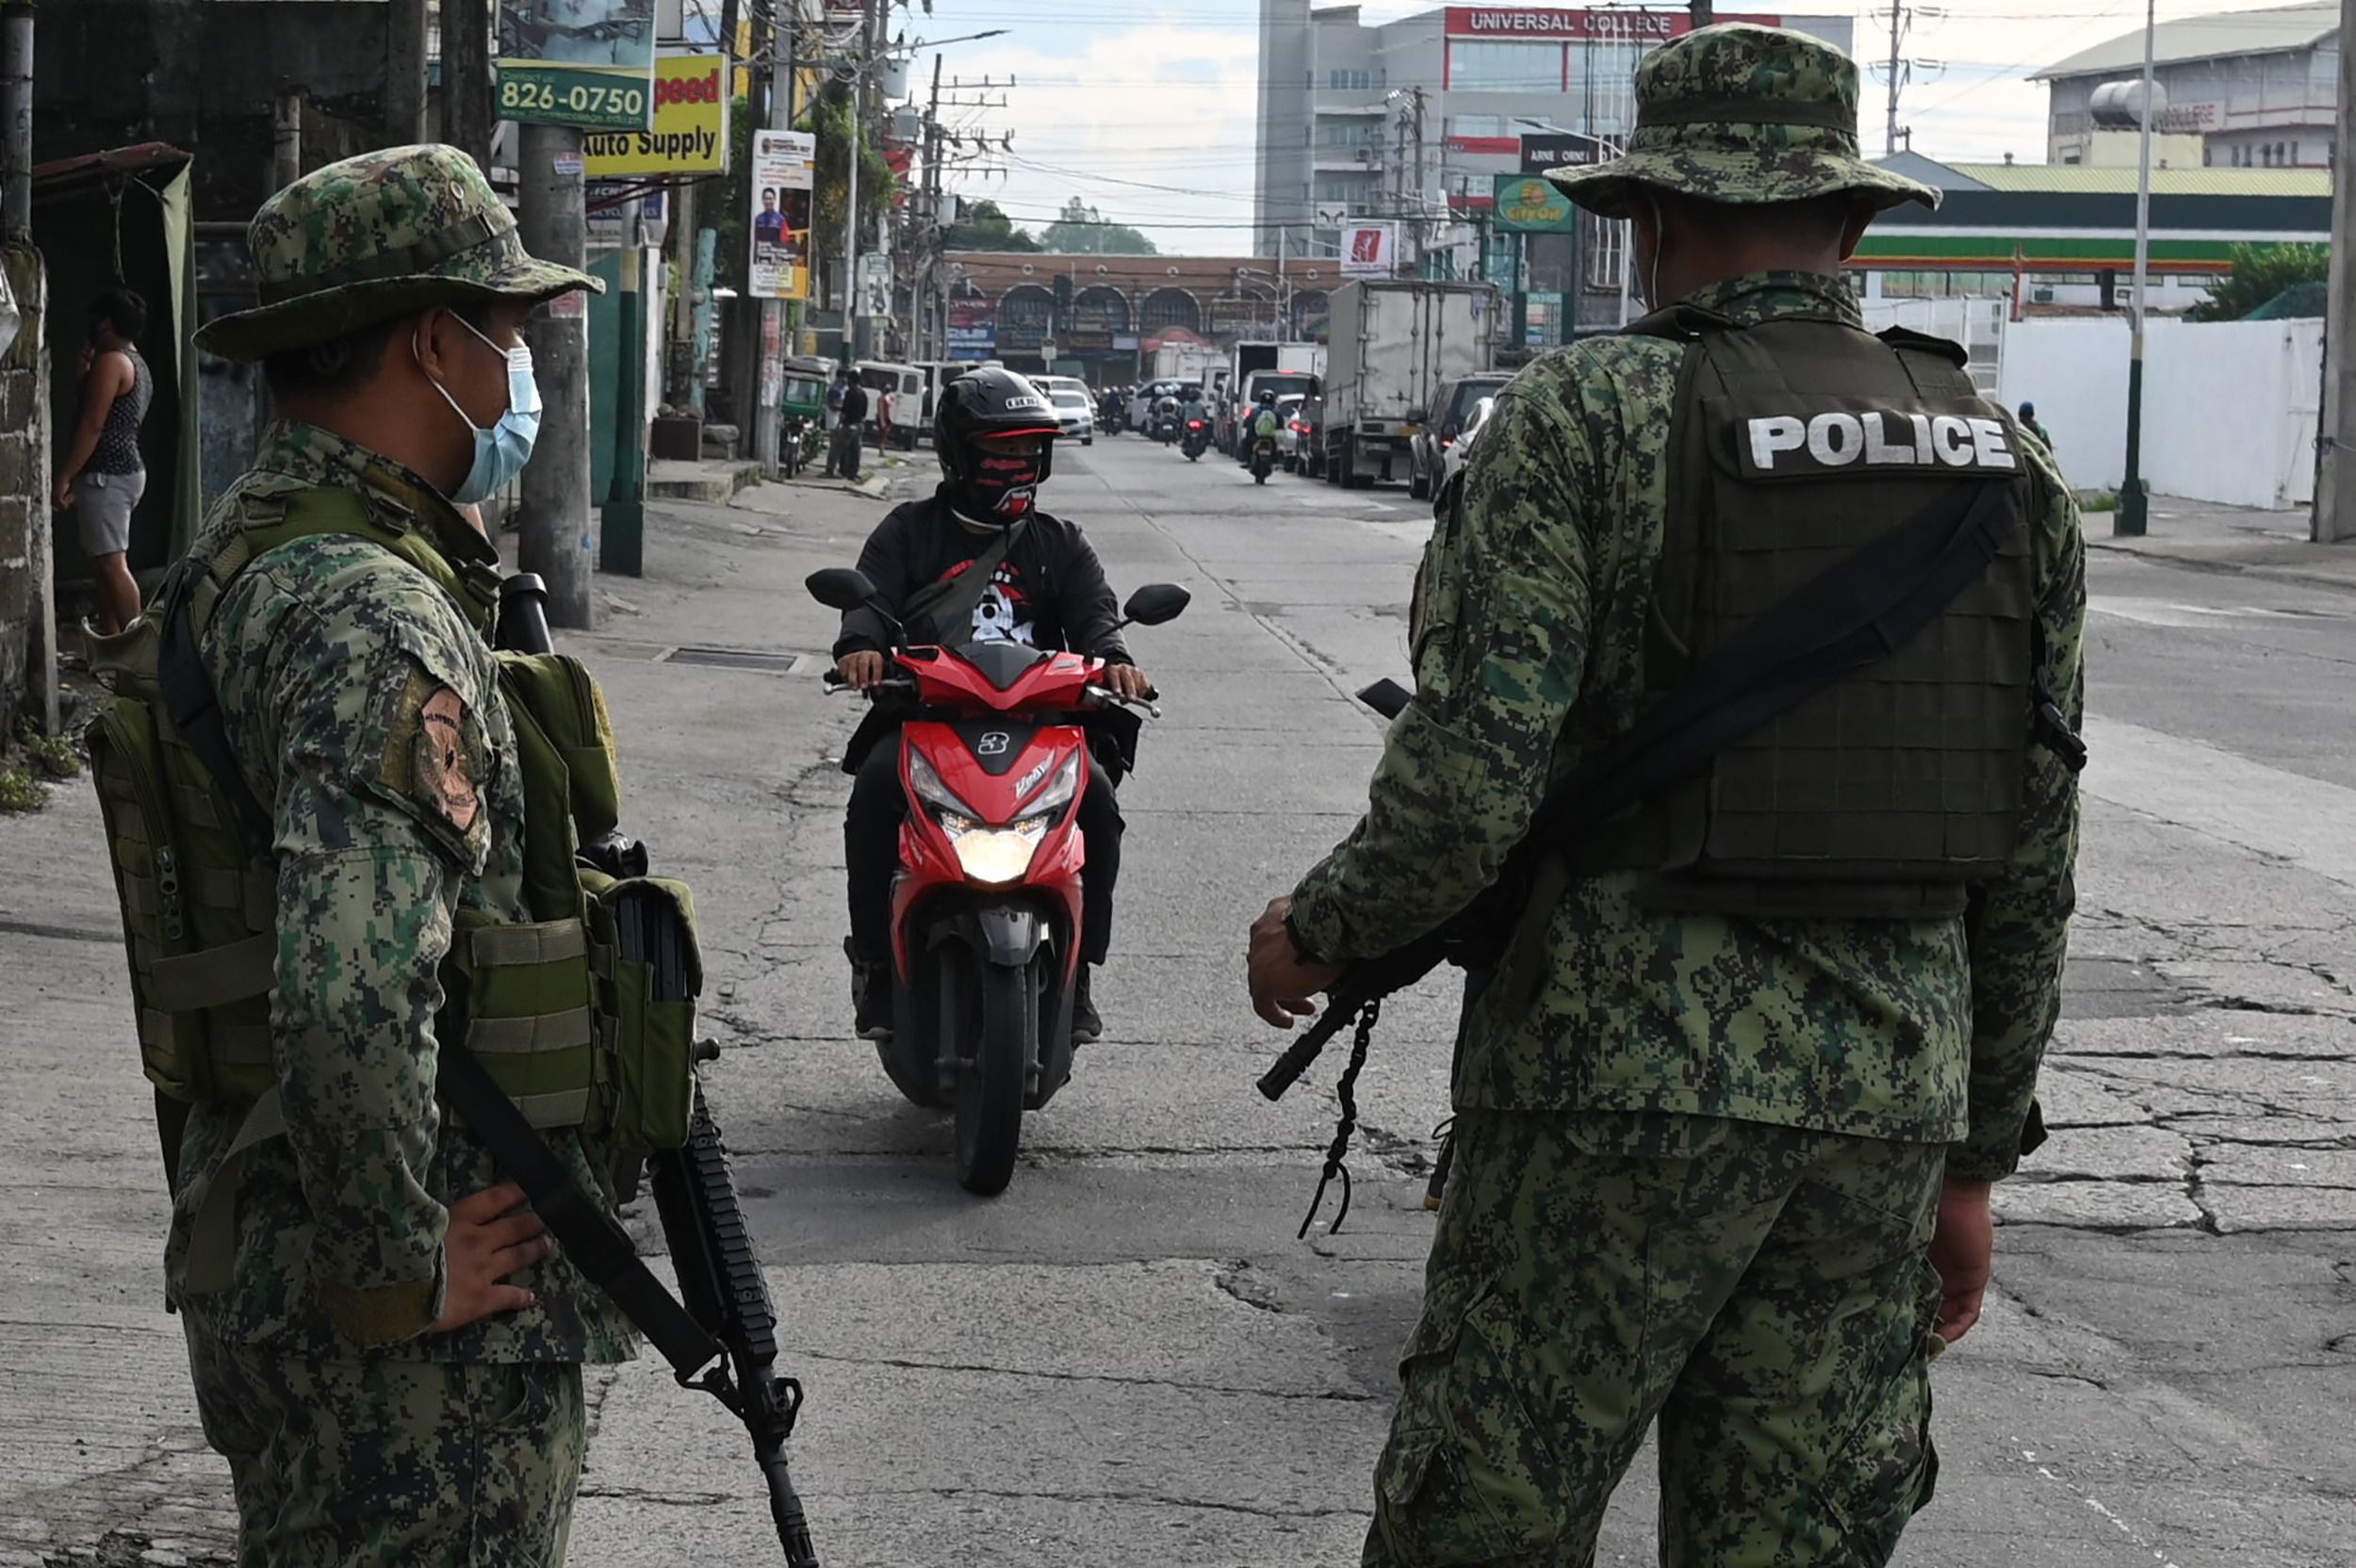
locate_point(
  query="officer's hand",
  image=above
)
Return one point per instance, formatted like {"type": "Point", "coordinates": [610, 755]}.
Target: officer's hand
{"type": "Point", "coordinates": [1281, 985]}
{"type": "Point", "coordinates": [1127, 681]}
{"type": "Point", "coordinates": [862, 672]}
{"type": "Point", "coordinates": [1962, 1249]}
{"type": "Point", "coordinates": [491, 1237]}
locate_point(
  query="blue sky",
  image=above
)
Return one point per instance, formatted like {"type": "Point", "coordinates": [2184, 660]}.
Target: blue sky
{"type": "Point", "coordinates": [1146, 110]}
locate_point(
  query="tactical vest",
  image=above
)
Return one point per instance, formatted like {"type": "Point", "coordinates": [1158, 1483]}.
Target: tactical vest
{"type": "Point", "coordinates": [1795, 442]}
{"type": "Point", "coordinates": [566, 1027]}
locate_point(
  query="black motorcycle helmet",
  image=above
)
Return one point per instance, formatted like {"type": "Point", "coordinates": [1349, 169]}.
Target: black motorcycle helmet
{"type": "Point", "coordinates": [991, 400]}
{"type": "Point", "coordinates": [1268, 396]}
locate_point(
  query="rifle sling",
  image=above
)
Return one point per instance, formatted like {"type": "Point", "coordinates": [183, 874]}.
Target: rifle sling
{"type": "Point", "coordinates": [596, 1243]}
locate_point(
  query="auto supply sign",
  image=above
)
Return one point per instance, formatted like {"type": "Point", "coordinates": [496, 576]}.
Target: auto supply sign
{"type": "Point", "coordinates": [785, 166]}
{"type": "Point", "coordinates": [690, 134]}
{"type": "Point", "coordinates": [1369, 249]}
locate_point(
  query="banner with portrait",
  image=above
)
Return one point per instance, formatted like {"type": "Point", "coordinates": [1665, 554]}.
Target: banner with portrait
{"type": "Point", "coordinates": [785, 168]}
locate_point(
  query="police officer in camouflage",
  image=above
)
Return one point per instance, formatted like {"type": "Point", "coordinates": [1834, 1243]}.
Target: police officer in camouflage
{"type": "Point", "coordinates": [1729, 1116]}
{"type": "Point", "coordinates": [385, 1346]}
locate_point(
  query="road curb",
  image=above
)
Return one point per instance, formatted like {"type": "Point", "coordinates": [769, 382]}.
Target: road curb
{"type": "Point", "coordinates": [2345, 582]}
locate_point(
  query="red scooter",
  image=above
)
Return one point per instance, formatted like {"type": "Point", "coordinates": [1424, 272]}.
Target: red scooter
{"type": "Point", "coordinates": [985, 904]}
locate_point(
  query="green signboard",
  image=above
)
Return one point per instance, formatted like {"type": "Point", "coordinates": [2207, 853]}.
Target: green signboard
{"type": "Point", "coordinates": [1528, 204]}
{"type": "Point", "coordinates": [534, 92]}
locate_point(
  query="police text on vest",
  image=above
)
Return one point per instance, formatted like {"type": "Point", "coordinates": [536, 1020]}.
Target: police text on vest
{"type": "Point", "coordinates": [1874, 438]}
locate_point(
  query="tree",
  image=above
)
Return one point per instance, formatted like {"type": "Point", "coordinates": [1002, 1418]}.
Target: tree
{"type": "Point", "coordinates": [1082, 231]}
{"type": "Point", "coordinates": [2261, 273]}
{"type": "Point", "coordinates": [981, 226]}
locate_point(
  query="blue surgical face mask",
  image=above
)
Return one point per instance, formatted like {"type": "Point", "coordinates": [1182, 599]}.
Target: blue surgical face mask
{"type": "Point", "coordinates": [502, 452]}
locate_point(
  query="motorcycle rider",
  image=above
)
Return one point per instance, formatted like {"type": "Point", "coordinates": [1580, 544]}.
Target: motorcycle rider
{"type": "Point", "coordinates": [994, 437]}
{"type": "Point", "coordinates": [1265, 424]}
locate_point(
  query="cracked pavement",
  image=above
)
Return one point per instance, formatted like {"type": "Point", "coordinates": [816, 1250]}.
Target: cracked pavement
{"type": "Point", "coordinates": [1128, 1357]}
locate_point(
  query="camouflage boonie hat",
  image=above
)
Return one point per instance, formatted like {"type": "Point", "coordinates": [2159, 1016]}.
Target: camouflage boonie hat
{"type": "Point", "coordinates": [375, 237]}
{"type": "Point", "coordinates": [1742, 113]}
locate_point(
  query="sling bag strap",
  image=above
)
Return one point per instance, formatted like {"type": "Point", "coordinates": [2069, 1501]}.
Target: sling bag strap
{"type": "Point", "coordinates": [951, 601]}
{"type": "Point", "coordinates": [592, 1238]}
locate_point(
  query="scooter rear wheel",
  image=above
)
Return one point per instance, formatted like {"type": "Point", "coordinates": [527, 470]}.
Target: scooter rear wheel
{"type": "Point", "coordinates": [1003, 1012]}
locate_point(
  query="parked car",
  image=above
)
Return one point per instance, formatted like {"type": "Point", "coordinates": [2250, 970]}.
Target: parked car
{"type": "Point", "coordinates": [1457, 453]}
{"type": "Point", "coordinates": [1442, 427]}
{"type": "Point", "coordinates": [1288, 430]}
{"type": "Point", "coordinates": [1308, 435]}
{"type": "Point", "coordinates": [1074, 411]}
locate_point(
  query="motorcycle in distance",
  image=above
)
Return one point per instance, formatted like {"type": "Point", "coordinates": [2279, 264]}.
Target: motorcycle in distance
{"type": "Point", "coordinates": [1263, 457]}
{"type": "Point", "coordinates": [1197, 438]}
{"type": "Point", "coordinates": [1166, 421]}
{"type": "Point", "coordinates": [985, 904]}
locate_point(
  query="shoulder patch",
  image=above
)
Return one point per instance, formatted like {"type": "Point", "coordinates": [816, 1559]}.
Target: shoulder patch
{"type": "Point", "coordinates": [436, 754]}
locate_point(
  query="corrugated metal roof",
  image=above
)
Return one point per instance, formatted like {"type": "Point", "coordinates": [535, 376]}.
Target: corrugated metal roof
{"type": "Point", "coordinates": [2086, 179]}
{"type": "Point", "coordinates": [2195, 38]}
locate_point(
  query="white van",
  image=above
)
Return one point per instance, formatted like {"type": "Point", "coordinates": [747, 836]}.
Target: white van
{"type": "Point", "coordinates": [906, 384]}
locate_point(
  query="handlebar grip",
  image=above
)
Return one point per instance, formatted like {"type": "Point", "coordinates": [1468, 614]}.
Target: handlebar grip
{"type": "Point", "coordinates": [833, 676]}
{"type": "Point", "coordinates": [1300, 1055]}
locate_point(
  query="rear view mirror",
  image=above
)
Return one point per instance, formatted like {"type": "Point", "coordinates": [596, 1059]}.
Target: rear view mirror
{"type": "Point", "coordinates": [1417, 416]}
{"type": "Point", "coordinates": [839, 587]}
{"type": "Point", "coordinates": [1156, 603]}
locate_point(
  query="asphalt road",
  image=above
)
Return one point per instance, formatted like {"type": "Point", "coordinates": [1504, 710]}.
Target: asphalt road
{"type": "Point", "coordinates": [1128, 1357]}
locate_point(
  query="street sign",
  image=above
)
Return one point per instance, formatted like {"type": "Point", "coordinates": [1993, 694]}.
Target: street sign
{"type": "Point", "coordinates": [577, 63]}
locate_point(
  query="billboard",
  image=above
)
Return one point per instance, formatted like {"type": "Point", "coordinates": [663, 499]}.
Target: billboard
{"type": "Point", "coordinates": [689, 132]}
{"type": "Point", "coordinates": [973, 329]}
{"type": "Point", "coordinates": [1527, 205]}
{"type": "Point", "coordinates": [784, 168]}
{"type": "Point", "coordinates": [1550, 150]}
{"type": "Point", "coordinates": [1369, 249]}
{"type": "Point", "coordinates": [577, 63]}
{"type": "Point", "coordinates": [1523, 23]}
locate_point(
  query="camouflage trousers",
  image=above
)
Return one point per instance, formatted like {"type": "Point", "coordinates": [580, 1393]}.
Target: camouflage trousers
{"type": "Point", "coordinates": [336, 1464]}
{"type": "Point", "coordinates": [1765, 1292]}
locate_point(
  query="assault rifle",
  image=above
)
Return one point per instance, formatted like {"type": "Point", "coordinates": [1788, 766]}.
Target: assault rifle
{"type": "Point", "coordinates": [723, 1339]}
{"type": "Point", "coordinates": [1851, 614]}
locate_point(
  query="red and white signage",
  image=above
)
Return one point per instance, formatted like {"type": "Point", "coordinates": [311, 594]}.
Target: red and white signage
{"type": "Point", "coordinates": [1369, 249]}
{"type": "Point", "coordinates": [1509, 22]}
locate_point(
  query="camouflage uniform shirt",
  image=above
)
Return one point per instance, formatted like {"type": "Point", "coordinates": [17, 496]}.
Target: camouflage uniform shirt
{"type": "Point", "coordinates": [337, 666]}
{"type": "Point", "coordinates": [1528, 642]}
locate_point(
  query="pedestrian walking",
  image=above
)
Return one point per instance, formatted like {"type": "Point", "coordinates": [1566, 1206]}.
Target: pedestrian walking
{"type": "Point", "coordinates": [1729, 1112]}
{"type": "Point", "coordinates": [384, 1346]}
{"type": "Point", "coordinates": [883, 420]}
{"type": "Point", "coordinates": [102, 476]}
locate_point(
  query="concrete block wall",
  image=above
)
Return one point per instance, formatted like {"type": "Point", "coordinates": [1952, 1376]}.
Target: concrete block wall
{"type": "Point", "coordinates": [28, 581]}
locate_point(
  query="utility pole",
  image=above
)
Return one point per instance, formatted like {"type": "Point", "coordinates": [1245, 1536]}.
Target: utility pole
{"type": "Point", "coordinates": [285, 140]}
{"type": "Point", "coordinates": [621, 533]}
{"type": "Point", "coordinates": [556, 536]}
{"type": "Point", "coordinates": [924, 343]}
{"type": "Point", "coordinates": [1699, 11]}
{"type": "Point", "coordinates": [16, 110]}
{"type": "Point", "coordinates": [1897, 32]}
{"type": "Point", "coordinates": [467, 78]}
{"type": "Point", "coordinates": [707, 232]}
{"type": "Point", "coordinates": [404, 70]}
{"type": "Point", "coordinates": [2334, 518]}
{"type": "Point", "coordinates": [2132, 516]}
{"type": "Point", "coordinates": [765, 419]}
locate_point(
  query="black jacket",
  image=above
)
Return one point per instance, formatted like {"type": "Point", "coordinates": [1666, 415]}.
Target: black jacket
{"type": "Point", "coordinates": [854, 404]}
{"type": "Point", "coordinates": [1052, 592]}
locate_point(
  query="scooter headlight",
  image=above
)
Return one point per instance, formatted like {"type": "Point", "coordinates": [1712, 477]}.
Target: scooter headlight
{"type": "Point", "coordinates": [994, 856]}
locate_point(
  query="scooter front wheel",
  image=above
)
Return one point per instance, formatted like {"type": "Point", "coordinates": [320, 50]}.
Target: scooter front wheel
{"type": "Point", "coordinates": [1003, 1013]}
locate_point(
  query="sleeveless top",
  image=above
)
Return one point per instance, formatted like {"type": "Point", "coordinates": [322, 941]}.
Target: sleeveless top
{"type": "Point", "coordinates": [117, 450]}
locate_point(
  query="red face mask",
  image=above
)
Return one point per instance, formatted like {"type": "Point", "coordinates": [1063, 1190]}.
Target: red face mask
{"type": "Point", "coordinates": [1004, 484]}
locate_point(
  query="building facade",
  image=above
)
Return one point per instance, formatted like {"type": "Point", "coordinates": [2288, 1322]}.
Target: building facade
{"type": "Point", "coordinates": [1413, 120]}
{"type": "Point", "coordinates": [2259, 90]}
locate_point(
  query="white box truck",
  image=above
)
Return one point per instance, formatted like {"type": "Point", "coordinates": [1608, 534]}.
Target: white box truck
{"type": "Point", "coordinates": [1390, 346]}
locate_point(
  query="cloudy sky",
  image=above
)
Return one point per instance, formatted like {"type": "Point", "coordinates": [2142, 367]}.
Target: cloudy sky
{"type": "Point", "coordinates": [1145, 110]}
